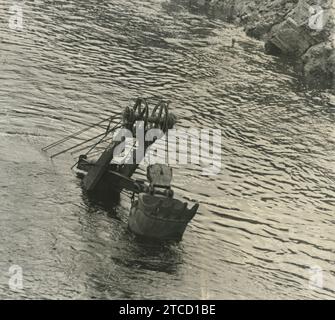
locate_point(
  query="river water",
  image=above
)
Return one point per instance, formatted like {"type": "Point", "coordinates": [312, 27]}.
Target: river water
{"type": "Point", "coordinates": [265, 227]}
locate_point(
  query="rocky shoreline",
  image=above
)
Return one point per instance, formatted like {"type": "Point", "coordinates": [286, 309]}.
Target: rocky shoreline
{"type": "Point", "coordinates": [301, 29]}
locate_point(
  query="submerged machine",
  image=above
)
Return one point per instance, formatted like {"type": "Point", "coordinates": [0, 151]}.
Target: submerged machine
{"type": "Point", "coordinates": [155, 212]}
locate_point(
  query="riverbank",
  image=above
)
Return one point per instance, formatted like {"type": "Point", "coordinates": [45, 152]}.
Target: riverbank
{"type": "Point", "coordinates": [301, 29]}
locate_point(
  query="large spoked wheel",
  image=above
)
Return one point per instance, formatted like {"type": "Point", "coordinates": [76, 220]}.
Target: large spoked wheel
{"type": "Point", "coordinates": [159, 116]}
{"type": "Point", "coordinates": [141, 110]}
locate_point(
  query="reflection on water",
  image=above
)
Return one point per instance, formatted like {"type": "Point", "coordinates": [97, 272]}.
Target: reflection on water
{"type": "Point", "coordinates": [264, 221]}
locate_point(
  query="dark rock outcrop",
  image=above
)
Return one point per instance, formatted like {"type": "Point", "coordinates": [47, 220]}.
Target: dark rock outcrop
{"type": "Point", "coordinates": [303, 29]}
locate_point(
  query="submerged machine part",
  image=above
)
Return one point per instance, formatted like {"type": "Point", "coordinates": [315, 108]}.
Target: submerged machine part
{"type": "Point", "coordinates": [159, 217]}
{"type": "Point", "coordinates": [159, 118]}
{"type": "Point", "coordinates": [154, 213]}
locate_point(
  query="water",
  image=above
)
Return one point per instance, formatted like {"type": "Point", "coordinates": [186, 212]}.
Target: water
{"type": "Point", "coordinates": [263, 222]}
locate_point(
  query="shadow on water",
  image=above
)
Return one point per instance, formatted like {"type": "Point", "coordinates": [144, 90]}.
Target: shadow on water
{"type": "Point", "coordinates": [146, 253]}
{"type": "Point", "coordinates": [119, 254]}
{"type": "Point", "coordinates": [107, 201]}
{"type": "Point", "coordinates": [150, 255]}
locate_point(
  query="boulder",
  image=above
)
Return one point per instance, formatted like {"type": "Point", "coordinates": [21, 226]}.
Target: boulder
{"type": "Point", "coordinates": [319, 64]}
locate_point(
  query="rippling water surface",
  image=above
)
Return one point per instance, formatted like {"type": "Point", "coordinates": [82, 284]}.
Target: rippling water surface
{"type": "Point", "coordinates": [264, 221]}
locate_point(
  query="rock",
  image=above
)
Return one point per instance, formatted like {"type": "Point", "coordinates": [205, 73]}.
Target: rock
{"type": "Point", "coordinates": [272, 49]}
{"type": "Point", "coordinates": [290, 37]}
{"type": "Point", "coordinates": [298, 28]}
{"type": "Point", "coordinates": [319, 62]}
